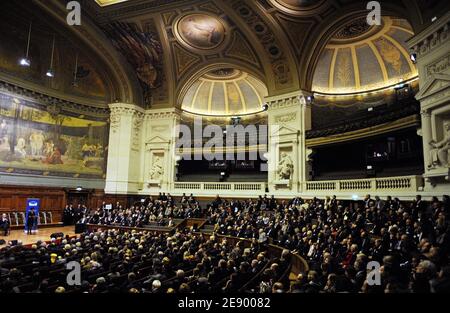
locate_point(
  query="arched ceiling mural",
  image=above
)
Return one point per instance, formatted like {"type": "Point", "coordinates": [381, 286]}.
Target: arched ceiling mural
{"type": "Point", "coordinates": [163, 46]}
{"type": "Point", "coordinates": [362, 58]}
{"type": "Point", "coordinates": [225, 92]}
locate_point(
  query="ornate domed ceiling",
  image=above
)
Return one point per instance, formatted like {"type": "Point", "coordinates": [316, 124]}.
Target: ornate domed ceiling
{"type": "Point", "coordinates": [108, 2]}
{"type": "Point", "coordinates": [362, 58]}
{"type": "Point", "coordinates": [225, 92]}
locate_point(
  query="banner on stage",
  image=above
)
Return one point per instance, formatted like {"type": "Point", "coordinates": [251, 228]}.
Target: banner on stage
{"type": "Point", "coordinates": [33, 205]}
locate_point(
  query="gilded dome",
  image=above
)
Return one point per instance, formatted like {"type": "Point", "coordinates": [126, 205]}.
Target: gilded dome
{"type": "Point", "coordinates": [361, 58]}
{"type": "Point", "coordinates": [225, 92]}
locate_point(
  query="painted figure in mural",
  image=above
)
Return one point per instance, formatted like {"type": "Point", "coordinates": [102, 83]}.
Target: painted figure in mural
{"type": "Point", "coordinates": [285, 166]}
{"type": "Point", "coordinates": [439, 153]}
{"type": "Point", "coordinates": [209, 32]}
{"type": "Point", "coordinates": [4, 134]}
{"type": "Point", "coordinates": [54, 157]}
{"type": "Point", "coordinates": [20, 147]}
{"type": "Point", "coordinates": [48, 148]}
{"type": "Point", "coordinates": [142, 48]}
{"type": "Point", "coordinates": [87, 150]}
{"type": "Point", "coordinates": [157, 170]}
{"type": "Point", "coordinates": [36, 143]}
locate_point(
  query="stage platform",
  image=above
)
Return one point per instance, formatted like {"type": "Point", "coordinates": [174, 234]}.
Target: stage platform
{"type": "Point", "coordinates": [42, 234]}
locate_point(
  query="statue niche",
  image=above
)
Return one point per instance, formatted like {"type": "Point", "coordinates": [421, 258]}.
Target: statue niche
{"type": "Point", "coordinates": [439, 152]}
{"type": "Point", "coordinates": [285, 167]}
{"type": "Point", "coordinates": [157, 170]}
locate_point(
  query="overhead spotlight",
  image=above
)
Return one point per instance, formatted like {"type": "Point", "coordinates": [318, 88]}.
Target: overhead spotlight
{"type": "Point", "coordinates": [399, 86]}
{"type": "Point", "coordinates": [79, 188]}
{"type": "Point", "coordinates": [265, 107]}
{"type": "Point", "coordinates": [370, 109]}
{"type": "Point", "coordinates": [25, 61]}
{"type": "Point", "coordinates": [50, 73]}
{"type": "Point", "coordinates": [310, 99]}
{"type": "Point", "coordinates": [369, 167]}
{"type": "Point", "coordinates": [413, 57]}
{"type": "Point", "coordinates": [434, 18]}
{"type": "Point", "coordinates": [235, 120]}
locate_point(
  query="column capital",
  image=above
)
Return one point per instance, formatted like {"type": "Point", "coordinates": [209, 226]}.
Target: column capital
{"type": "Point", "coordinates": [125, 108]}
{"type": "Point", "coordinates": [162, 113]}
{"type": "Point", "coordinates": [436, 34]}
{"type": "Point", "coordinates": [425, 113]}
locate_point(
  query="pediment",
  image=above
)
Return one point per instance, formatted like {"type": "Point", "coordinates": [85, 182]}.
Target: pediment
{"type": "Point", "coordinates": [434, 84]}
{"type": "Point", "coordinates": [283, 130]}
{"type": "Point", "coordinates": [157, 140]}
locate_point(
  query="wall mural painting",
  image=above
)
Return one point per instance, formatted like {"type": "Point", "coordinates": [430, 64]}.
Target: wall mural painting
{"type": "Point", "coordinates": [49, 142]}
{"type": "Point", "coordinates": [144, 52]}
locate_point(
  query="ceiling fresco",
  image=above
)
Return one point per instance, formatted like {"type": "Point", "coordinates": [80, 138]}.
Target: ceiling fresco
{"type": "Point", "coordinates": [152, 51]}
{"type": "Point", "coordinates": [361, 58]}
{"type": "Point", "coordinates": [200, 31]}
{"type": "Point", "coordinates": [225, 92]}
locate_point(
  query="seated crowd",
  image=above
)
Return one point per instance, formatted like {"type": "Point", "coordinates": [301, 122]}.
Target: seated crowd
{"type": "Point", "coordinates": [339, 240]}
{"type": "Point", "coordinates": [160, 210]}
{"type": "Point", "coordinates": [137, 262]}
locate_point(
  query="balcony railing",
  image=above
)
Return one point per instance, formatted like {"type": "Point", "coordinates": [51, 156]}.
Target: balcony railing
{"type": "Point", "coordinates": [401, 183]}
{"type": "Point", "coordinates": [397, 186]}
{"type": "Point", "coordinates": [217, 188]}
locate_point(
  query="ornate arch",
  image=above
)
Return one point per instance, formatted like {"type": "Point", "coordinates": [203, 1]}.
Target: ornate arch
{"type": "Point", "coordinates": [199, 70]}
{"type": "Point", "coordinates": [125, 87]}
{"type": "Point", "coordinates": [322, 35]}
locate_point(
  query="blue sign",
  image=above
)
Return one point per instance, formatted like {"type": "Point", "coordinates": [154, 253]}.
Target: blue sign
{"type": "Point", "coordinates": [33, 205]}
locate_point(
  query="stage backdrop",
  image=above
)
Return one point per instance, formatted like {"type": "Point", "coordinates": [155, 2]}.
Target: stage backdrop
{"type": "Point", "coordinates": [44, 140]}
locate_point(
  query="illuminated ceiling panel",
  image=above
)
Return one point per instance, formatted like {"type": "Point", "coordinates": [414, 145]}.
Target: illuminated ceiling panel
{"type": "Point", "coordinates": [105, 3]}
{"type": "Point", "coordinates": [362, 58]}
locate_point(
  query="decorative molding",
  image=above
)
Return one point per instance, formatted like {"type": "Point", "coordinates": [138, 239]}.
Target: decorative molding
{"type": "Point", "coordinates": [434, 36]}
{"type": "Point", "coordinates": [162, 114]}
{"type": "Point", "coordinates": [284, 101]}
{"type": "Point", "coordinates": [240, 49]}
{"type": "Point", "coordinates": [433, 87]}
{"type": "Point", "coordinates": [270, 42]}
{"type": "Point", "coordinates": [114, 121]}
{"type": "Point", "coordinates": [438, 66]}
{"type": "Point", "coordinates": [285, 118]}
{"type": "Point", "coordinates": [183, 59]}
{"type": "Point", "coordinates": [46, 100]}
{"type": "Point", "coordinates": [138, 119]}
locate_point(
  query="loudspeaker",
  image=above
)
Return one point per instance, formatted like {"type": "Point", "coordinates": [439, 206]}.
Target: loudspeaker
{"type": "Point", "coordinates": [2, 242]}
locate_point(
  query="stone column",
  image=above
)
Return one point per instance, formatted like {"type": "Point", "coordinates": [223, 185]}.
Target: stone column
{"type": "Point", "coordinates": [122, 175]}
{"type": "Point", "coordinates": [426, 136]}
{"type": "Point", "coordinates": [158, 157]}
{"type": "Point", "coordinates": [432, 50]}
{"type": "Point", "coordinates": [288, 117]}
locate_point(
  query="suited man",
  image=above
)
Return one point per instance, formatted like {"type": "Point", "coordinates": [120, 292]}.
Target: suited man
{"type": "Point", "coordinates": [30, 221]}
{"type": "Point", "coordinates": [4, 224]}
